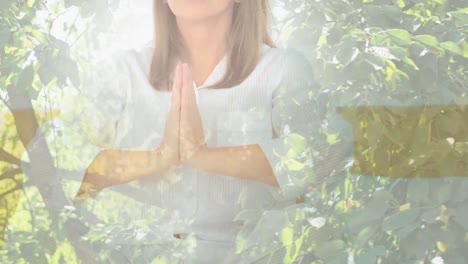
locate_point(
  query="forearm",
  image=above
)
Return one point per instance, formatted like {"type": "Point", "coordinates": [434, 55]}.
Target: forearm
{"type": "Point", "coordinates": [112, 167]}
{"type": "Point", "coordinates": [246, 162]}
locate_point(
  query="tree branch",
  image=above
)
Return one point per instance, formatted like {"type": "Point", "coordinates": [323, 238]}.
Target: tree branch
{"type": "Point", "coordinates": [10, 174]}
{"type": "Point", "coordinates": [7, 157]}
{"type": "Point", "coordinates": [44, 174]}
{"type": "Point", "coordinates": [3, 195]}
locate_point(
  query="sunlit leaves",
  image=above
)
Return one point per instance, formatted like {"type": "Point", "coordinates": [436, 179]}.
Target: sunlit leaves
{"type": "Point", "coordinates": [55, 62]}
{"type": "Point", "coordinates": [365, 53]}
{"type": "Point", "coordinates": [25, 77]}
{"type": "Point", "coordinates": [401, 37]}
{"type": "Point", "coordinates": [33, 59]}
{"type": "Point", "coordinates": [427, 40]}
{"type": "Point", "coordinates": [400, 219]}
{"type": "Point", "coordinates": [451, 47]}
{"type": "Point", "coordinates": [460, 17]}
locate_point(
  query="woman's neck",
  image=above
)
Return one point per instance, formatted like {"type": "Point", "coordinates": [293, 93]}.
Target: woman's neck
{"type": "Point", "coordinates": [206, 44]}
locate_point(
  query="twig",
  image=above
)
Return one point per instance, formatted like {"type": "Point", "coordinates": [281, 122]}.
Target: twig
{"type": "Point", "coordinates": [14, 189]}
{"type": "Point", "coordinates": [10, 174]}
{"type": "Point", "coordinates": [7, 157]}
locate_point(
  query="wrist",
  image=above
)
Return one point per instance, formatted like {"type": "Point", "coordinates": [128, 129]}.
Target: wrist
{"type": "Point", "coordinates": [164, 159]}
{"type": "Point", "coordinates": [200, 158]}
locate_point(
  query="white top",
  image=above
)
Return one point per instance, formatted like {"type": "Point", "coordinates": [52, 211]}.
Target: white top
{"type": "Point", "coordinates": [119, 109]}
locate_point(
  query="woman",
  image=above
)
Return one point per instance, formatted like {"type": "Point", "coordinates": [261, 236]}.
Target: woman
{"type": "Point", "coordinates": [205, 117]}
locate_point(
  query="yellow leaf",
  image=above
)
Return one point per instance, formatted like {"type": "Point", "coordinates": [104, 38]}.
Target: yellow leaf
{"type": "Point", "coordinates": [405, 206]}
{"type": "Point", "coordinates": [442, 209]}
{"type": "Point", "coordinates": [29, 44]}
{"type": "Point", "coordinates": [286, 236]}
{"type": "Point", "coordinates": [441, 246]}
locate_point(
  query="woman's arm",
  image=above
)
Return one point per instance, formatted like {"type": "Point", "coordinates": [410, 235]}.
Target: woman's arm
{"type": "Point", "coordinates": [112, 167]}
{"type": "Point", "coordinates": [295, 106]}
{"type": "Point", "coordinates": [246, 162]}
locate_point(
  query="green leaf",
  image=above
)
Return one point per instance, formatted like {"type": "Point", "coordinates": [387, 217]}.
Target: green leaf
{"type": "Point", "coordinates": [70, 69]}
{"type": "Point", "coordinates": [346, 53]}
{"type": "Point", "coordinates": [418, 190]}
{"type": "Point", "coordinates": [294, 165]}
{"type": "Point", "coordinates": [383, 52]}
{"type": "Point", "coordinates": [47, 241]}
{"type": "Point", "coordinates": [464, 47]}
{"type": "Point", "coordinates": [5, 37]}
{"type": "Point", "coordinates": [31, 3]}
{"type": "Point", "coordinates": [400, 219]}
{"type": "Point", "coordinates": [370, 255]}
{"type": "Point", "coordinates": [286, 236]}
{"type": "Point", "coordinates": [296, 142]}
{"type": "Point", "coordinates": [411, 63]}
{"type": "Point", "coordinates": [427, 40]}
{"type": "Point", "coordinates": [451, 47]}
{"type": "Point", "coordinates": [329, 249]}
{"type": "Point", "coordinates": [400, 37]}
{"type": "Point", "coordinates": [460, 17]}
{"type": "Point", "coordinates": [430, 216]}
{"type": "Point", "coordinates": [365, 235]}
{"type": "Point", "coordinates": [46, 73]}
{"type": "Point", "coordinates": [25, 77]}
{"type": "Point", "coordinates": [372, 211]}
{"type": "Point", "coordinates": [375, 61]}
{"type": "Point", "coordinates": [42, 37]}
{"type": "Point", "coordinates": [406, 231]}
{"type": "Point", "coordinates": [416, 244]}
{"type": "Point", "coordinates": [399, 52]}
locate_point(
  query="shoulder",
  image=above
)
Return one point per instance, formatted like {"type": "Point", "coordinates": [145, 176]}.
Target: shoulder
{"type": "Point", "coordinates": [287, 59]}
{"type": "Point", "coordinates": [108, 73]}
{"type": "Point", "coordinates": [140, 56]}
{"type": "Point", "coordinates": [125, 59]}
{"type": "Point", "coordinates": [286, 55]}
{"type": "Point", "coordinates": [290, 65]}
{"type": "Point", "coordinates": [294, 60]}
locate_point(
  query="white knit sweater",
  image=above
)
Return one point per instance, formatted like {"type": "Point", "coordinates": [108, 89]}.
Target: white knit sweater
{"type": "Point", "coordinates": [119, 109]}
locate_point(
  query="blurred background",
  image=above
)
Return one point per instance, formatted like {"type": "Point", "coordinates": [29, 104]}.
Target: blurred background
{"type": "Point", "coordinates": [392, 75]}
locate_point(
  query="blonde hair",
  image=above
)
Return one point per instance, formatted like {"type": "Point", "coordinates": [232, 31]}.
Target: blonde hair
{"type": "Point", "coordinates": [249, 31]}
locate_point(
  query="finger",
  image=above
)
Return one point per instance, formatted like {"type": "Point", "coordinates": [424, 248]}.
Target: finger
{"type": "Point", "coordinates": [174, 113]}
{"type": "Point", "coordinates": [188, 92]}
{"type": "Point", "coordinates": [171, 130]}
{"type": "Point", "coordinates": [176, 88]}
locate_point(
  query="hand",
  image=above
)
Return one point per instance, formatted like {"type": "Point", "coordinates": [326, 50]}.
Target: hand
{"type": "Point", "coordinates": [111, 167]}
{"type": "Point", "coordinates": [192, 137]}
{"type": "Point", "coordinates": [170, 146]}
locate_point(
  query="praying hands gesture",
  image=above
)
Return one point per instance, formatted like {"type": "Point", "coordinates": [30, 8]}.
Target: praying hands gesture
{"type": "Point", "coordinates": [183, 142]}
{"type": "Point", "coordinates": [183, 139]}
{"type": "Point", "coordinates": [183, 135]}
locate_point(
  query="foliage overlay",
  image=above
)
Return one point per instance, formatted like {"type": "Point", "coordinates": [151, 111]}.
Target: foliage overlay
{"type": "Point", "coordinates": [401, 202]}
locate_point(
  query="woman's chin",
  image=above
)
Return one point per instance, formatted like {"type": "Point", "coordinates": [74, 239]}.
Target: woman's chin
{"type": "Point", "coordinates": [198, 13]}
{"type": "Point", "coordinates": [194, 18]}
